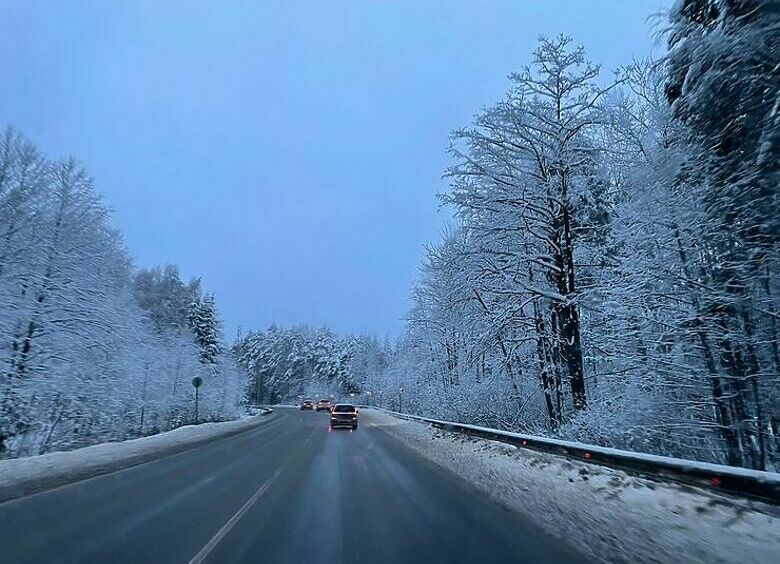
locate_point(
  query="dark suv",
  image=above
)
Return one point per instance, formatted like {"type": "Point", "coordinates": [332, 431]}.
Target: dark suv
{"type": "Point", "coordinates": [307, 405]}
{"type": "Point", "coordinates": [344, 415]}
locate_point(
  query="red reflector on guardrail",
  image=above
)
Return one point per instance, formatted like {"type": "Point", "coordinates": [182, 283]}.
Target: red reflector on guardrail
{"type": "Point", "coordinates": [754, 484]}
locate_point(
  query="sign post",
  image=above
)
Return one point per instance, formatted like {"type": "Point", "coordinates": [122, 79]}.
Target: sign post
{"type": "Point", "coordinates": [400, 399]}
{"type": "Point", "coordinates": [196, 382]}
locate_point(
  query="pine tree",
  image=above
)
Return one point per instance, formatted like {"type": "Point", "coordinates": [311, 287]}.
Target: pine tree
{"type": "Point", "coordinates": [206, 325]}
{"type": "Point", "coordinates": [723, 86]}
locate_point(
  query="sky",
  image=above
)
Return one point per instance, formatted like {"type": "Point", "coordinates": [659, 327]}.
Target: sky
{"type": "Point", "coordinates": [288, 153]}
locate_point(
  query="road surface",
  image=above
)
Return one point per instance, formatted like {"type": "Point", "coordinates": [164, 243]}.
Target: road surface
{"type": "Point", "coordinates": [287, 491]}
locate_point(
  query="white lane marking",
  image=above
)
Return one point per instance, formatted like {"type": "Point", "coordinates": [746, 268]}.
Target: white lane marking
{"type": "Point", "coordinates": [204, 552]}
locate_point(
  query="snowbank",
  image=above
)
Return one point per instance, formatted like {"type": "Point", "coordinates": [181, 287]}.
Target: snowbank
{"type": "Point", "coordinates": [23, 476]}
{"type": "Point", "coordinates": [608, 514]}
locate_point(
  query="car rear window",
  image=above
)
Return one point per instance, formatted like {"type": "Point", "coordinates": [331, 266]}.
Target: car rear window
{"type": "Point", "coordinates": [343, 408]}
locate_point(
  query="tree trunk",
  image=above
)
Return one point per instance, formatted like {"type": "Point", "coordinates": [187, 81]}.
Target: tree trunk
{"type": "Point", "coordinates": [544, 375]}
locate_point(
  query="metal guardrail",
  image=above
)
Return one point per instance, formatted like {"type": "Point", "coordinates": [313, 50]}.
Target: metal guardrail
{"type": "Point", "coordinates": [764, 486]}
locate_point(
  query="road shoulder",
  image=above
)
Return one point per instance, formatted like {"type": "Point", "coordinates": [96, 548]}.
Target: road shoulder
{"type": "Point", "coordinates": [33, 474]}
{"type": "Point", "coordinates": [609, 515]}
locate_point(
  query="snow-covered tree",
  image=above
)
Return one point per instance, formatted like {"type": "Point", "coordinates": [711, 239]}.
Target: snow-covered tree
{"type": "Point", "coordinates": [88, 350]}
{"type": "Point", "coordinates": [615, 250]}
{"type": "Point", "coordinates": [167, 299]}
{"type": "Point", "coordinates": [206, 325]}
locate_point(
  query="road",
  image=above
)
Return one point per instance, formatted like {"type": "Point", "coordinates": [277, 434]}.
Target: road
{"type": "Point", "coordinates": [289, 490]}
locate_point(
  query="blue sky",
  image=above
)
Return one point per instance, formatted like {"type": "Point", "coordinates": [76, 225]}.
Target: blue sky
{"type": "Point", "coordinates": [287, 152]}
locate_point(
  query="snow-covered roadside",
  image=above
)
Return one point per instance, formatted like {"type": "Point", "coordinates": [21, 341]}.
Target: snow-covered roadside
{"type": "Point", "coordinates": [609, 515]}
{"type": "Point", "coordinates": [23, 476]}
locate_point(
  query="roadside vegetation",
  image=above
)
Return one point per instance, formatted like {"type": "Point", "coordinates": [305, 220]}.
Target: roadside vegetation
{"type": "Point", "coordinates": [93, 349]}
{"type": "Point", "coordinates": [611, 271]}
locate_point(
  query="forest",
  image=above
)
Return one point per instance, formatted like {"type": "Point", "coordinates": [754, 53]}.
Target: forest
{"type": "Point", "coordinates": [611, 271]}
{"type": "Point", "coordinates": [93, 349]}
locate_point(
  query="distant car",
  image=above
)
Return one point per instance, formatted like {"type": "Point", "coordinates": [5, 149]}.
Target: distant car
{"type": "Point", "coordinates": [344, 415]}
{"type": "Point", "coordinates": [324, 405]}
{"type": "Point", "coordinates": [307, 405]}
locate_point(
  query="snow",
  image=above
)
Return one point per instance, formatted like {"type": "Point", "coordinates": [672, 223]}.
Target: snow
{"type": "Point", "coordinates": [666, 461]}
{"type": "Point", "coordinates": [23, 476]}
{"type": "Point", "coordinates": [609, 515]}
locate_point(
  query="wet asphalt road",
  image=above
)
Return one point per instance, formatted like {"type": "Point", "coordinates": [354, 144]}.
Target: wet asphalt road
{"type": "Point", "coordinates": [288, 491]}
